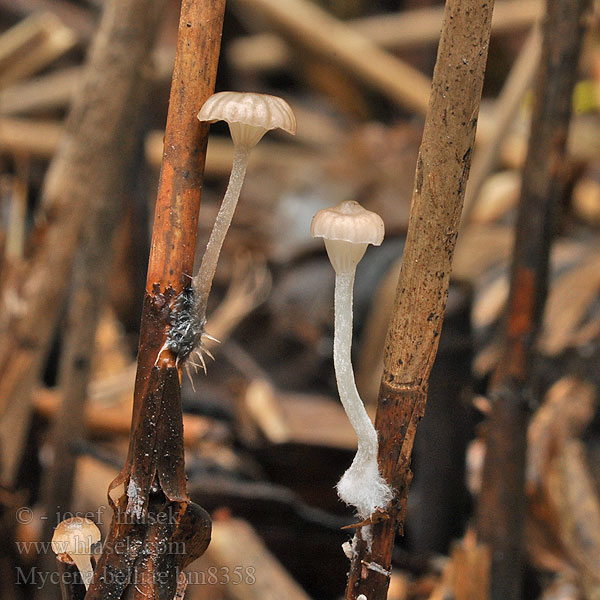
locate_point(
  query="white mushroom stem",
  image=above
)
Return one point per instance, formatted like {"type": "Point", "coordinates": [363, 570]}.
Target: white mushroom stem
{"type": "Point", "coordinates": [361, 485]}
{"type": "Point", "coordinates": [202, 282]}
{"type": "Point", "coordinates": [342, 344]}
{"type": "Point", "coordinates": [84, 563]}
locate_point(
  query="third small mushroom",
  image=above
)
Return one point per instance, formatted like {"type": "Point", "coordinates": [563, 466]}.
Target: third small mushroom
{"type": "Point", "coordinates": [347, 230]}
{"type": "Point", "coordinates": [74, 538]}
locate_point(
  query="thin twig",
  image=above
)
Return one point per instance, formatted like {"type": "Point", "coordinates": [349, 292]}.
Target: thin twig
{"type": "Point", "coordinates": [46, 39]}
{"type": "Point", "coordinates": [33, 137]}
{"type": "Point", "coordinates": [111, 420]}
{"type": "Point", "coordinates": [41, 94]}
{"type": "Point", "coordinates": [502, 501]}
{"type": "Point", "coordinates": [16, 234]}
{"type": "Point", "coordinates": [413, 335]}
{"type": "Point", "coordinates": [72, 15]}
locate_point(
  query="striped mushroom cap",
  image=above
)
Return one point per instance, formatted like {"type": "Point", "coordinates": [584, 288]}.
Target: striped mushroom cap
{"type": "Point", "coordinates": [249, 115]}
{"type": "Point", "coordinates": [347, 229]}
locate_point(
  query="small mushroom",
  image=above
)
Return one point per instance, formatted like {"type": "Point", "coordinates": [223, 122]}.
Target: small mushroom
{"type": "Point", "coordinates": [249, 116]}
{"type": "Point", "coordinates": [75, 537]}
{"type": "Point", "coordinates": [347, 230]}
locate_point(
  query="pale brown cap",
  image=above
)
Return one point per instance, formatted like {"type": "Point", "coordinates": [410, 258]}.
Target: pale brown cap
{"type": "Point", "coordinates": [75, 536]}
{"type": "Point", "coordinates": [349, 222]}
{"type": "Point", "coordinates": [249, 115]}
{"type": "Point", "coordinates": [347, 230]}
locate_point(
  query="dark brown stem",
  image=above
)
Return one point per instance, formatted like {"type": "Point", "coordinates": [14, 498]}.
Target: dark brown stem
{"type": "Point", "coordinates": [413, 335]}
{"type": "Point", "coordinates": [173, 245]}
{"type": "Point", "coordinates": [155, 509]}
{"type": "Point", "coordinates": [501, 508]}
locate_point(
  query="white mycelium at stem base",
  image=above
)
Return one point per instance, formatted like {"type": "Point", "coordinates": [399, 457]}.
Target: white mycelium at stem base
{"type": "Point", "coordinates": [347, 230]}
{"type": "Point", "coordinates": [361, 485]}
{"type": "Point", "coordinates": [75, 537]}
{"type": "Point", "coordinates": [249, 117]}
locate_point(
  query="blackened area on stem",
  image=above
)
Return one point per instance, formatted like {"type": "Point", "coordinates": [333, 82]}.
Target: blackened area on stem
{"type": "Point", "coordinates": [156, 441]}
{"type": "Point", "coordinates": [156, 446]}
{"type": "Point", "coordinates": [187, 327]}
{"type": "Point", "coordinates": [144, 558]}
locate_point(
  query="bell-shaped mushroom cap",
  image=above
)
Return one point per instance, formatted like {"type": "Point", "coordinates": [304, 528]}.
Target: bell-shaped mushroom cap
{"type": "Point", "coordinates": [347, 229]}
{"type": "Point", "coordinates": [249, 115]}
{"type": "Point", "coordinates": [348, 222]}
{"type": "Point", "coordinates": [75, 536]}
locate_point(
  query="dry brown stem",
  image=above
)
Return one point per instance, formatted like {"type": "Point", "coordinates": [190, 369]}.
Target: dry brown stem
{"type": "Point", "coordinates": [154, 475]}
{"type": "Point", "coordinates": [502, 500]}
{"type": "Point", "coordinates": [413, 335]}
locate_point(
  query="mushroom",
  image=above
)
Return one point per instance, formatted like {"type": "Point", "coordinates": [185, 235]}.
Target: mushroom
{"type": "Point", "coordinates": [75, 538]}
{"type": "Point", "coordinates": [249, 116]}
{"type": "Point", "coordinates": [347, 230]}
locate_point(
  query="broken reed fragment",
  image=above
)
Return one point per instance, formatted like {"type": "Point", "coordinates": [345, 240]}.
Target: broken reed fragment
{"type": "Point", "coordinates": [249, 116]}
{"type": "Point", "coordinates": [75, 537]}
{"type": "Point", "coordinates": [347, 230]}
